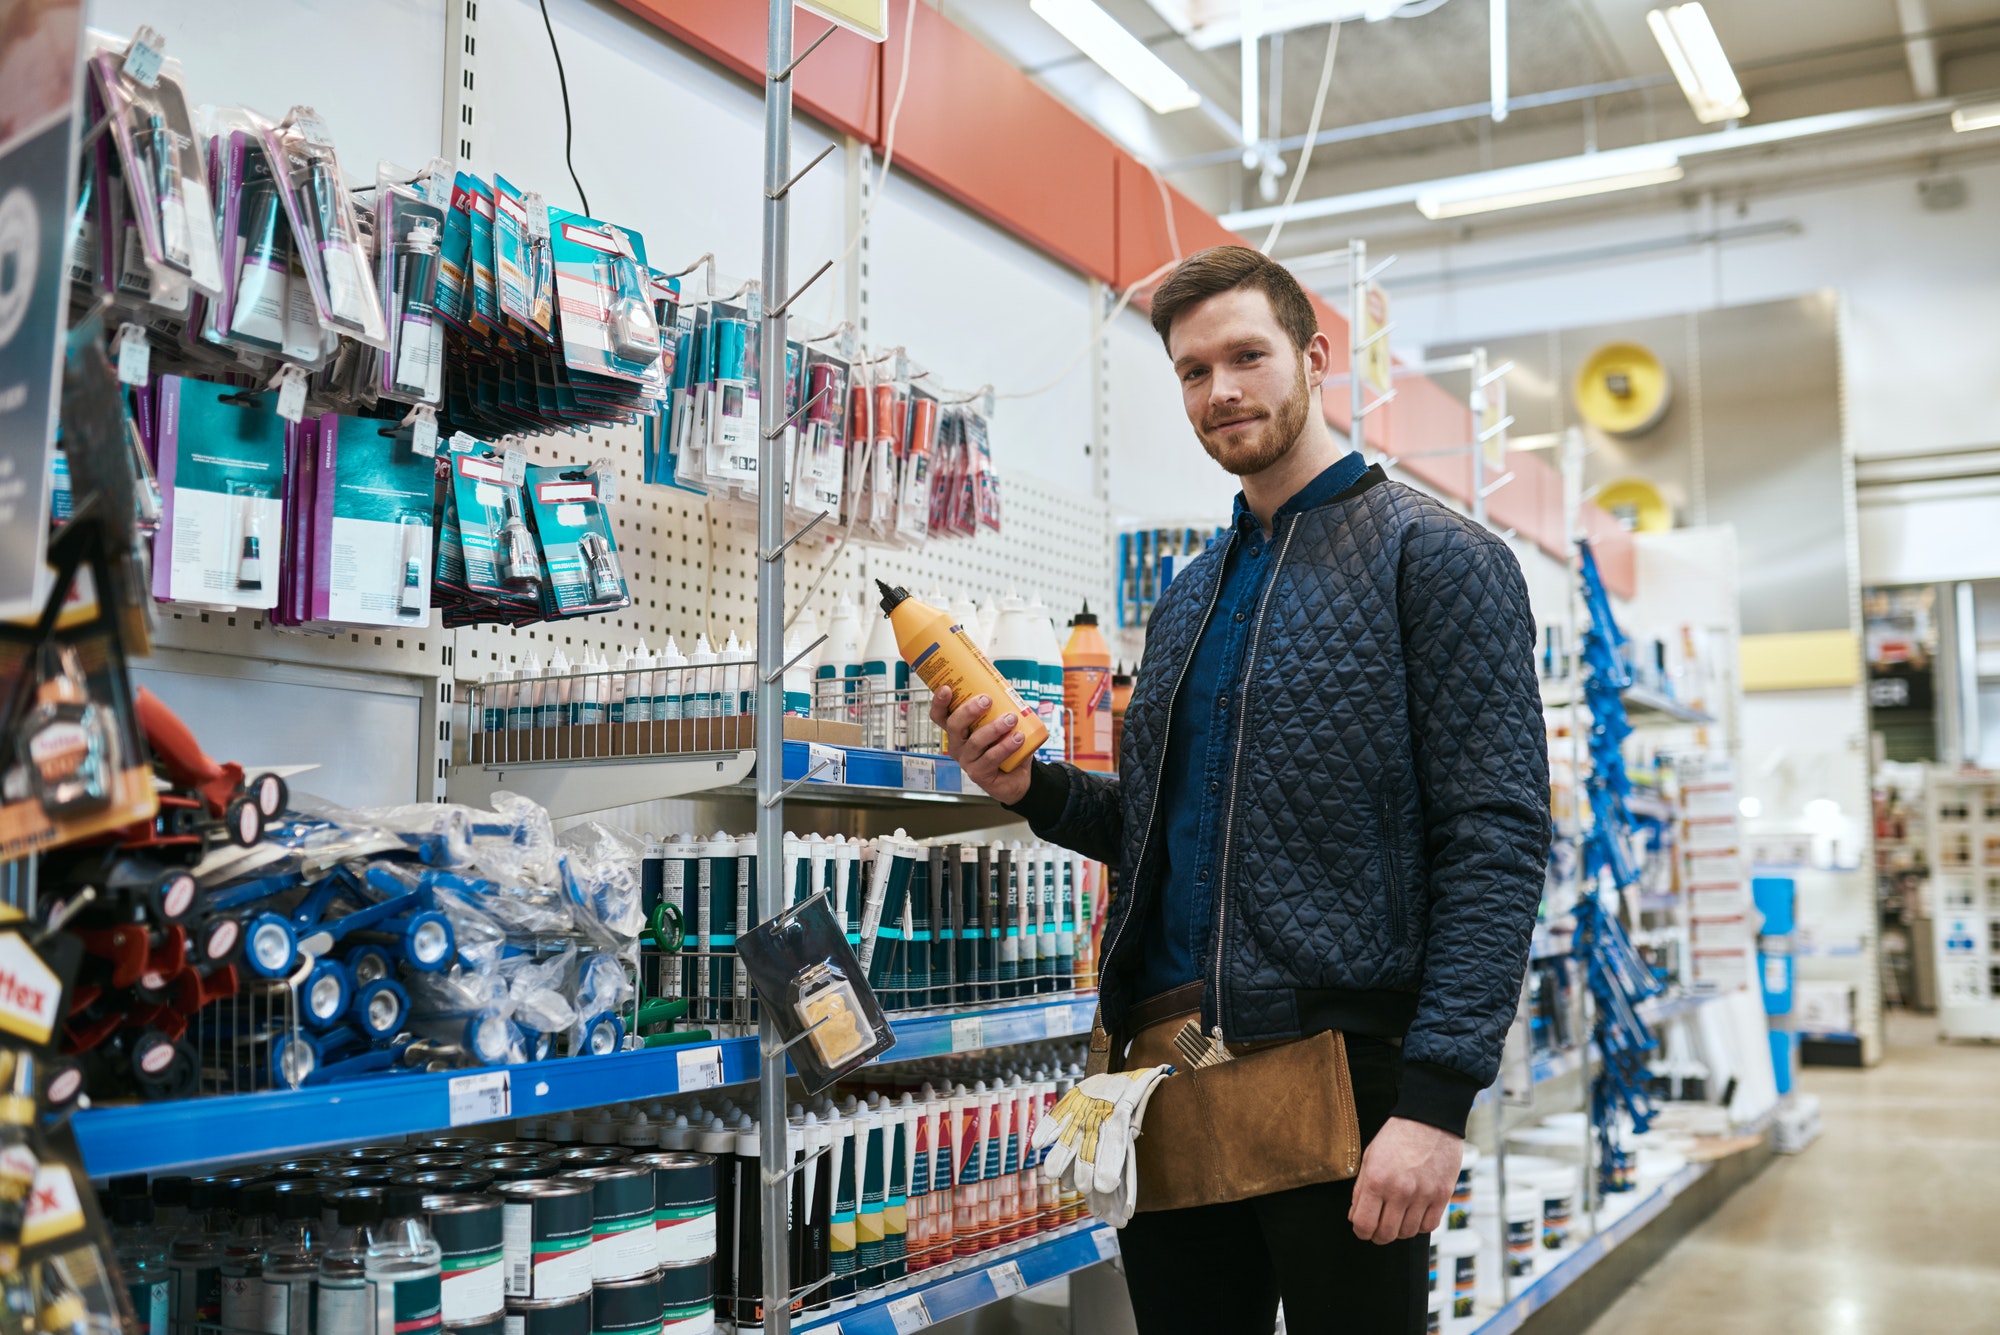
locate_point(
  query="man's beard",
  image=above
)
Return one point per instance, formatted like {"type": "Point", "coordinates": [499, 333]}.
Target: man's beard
{"type": "Point", "coordinates": [1256, 449]}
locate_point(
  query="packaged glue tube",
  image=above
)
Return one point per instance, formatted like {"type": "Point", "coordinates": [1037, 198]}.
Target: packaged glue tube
{"type": "Point", "coordinates": [940, 653]}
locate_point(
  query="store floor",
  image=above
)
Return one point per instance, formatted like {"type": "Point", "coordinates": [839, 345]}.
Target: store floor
{"type": "Point", "coordinates": [1886, 1224]}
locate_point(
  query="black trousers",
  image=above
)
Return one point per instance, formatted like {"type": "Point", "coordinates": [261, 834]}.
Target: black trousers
{"type": "Point", "coordinates": [1221, 1269]}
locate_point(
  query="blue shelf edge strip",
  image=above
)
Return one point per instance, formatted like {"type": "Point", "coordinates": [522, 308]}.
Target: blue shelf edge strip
{"type": "Point", "coordinates": [868, 768]}
{"type": "Point", "coordinates": [1049, 1256]}
{"type": "Point", "coordinates": [186, 1133]}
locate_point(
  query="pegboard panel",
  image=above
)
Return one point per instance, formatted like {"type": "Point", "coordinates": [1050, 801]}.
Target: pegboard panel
{"type": "Point", "coordinates": [690, 563]}
{"type": "Point", "coordinates": [245, 634]}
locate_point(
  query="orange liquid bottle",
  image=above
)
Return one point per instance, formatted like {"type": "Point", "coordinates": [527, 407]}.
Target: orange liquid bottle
{"type": "Point", "coordinates": [1087, 693]}
{"type": "Point", "coordinates": [940, 652]}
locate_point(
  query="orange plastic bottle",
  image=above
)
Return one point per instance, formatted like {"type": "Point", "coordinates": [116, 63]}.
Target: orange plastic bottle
{"type": "Point", "coordinates": [1087, 693]}
{"type": "Point", "coordinates": [1121, 695]}
{"type": "Point", "coordinates": [941, 654]}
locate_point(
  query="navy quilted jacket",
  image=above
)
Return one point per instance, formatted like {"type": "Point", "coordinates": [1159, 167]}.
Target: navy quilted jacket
{"type": "Point", "coordinates": [1388, 824]}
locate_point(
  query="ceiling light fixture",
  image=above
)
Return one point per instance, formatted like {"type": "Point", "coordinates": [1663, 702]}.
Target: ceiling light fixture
{"type": "Point", "coordinates": [1121, 55]}
{"type": "Point", "coordinates": [1543, 183]}
{"type": "Point", "coordinates": [1209, 24]}
{"type": "Point", "coordinates": [1695, 55]}
{"type": "Point", "coordinates": [1985, 116]}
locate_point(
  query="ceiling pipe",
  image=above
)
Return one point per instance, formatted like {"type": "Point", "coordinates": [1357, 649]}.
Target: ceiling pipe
{"type": "Point", "coordinates": [1919, 46]}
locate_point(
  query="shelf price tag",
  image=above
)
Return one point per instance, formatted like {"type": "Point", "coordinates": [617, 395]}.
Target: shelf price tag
{"type": "Point", "coordinates": [1006, 1279]}
{"type": "Point", "coordinates": [966, 1035]}
{"type": "Point", "coordinates": [700, 1068]}
{"type": "Point", "coordinates": [1061, 1021]}
{"type": "Point", "coordinates": [485, 1097]}
{"type": "Point", "coordinates": [135, 355]}
{"type": "Point", "coordinates": [1107, 1242]}
{"type": "Point", "coordinates": [908, 1313]}
{"type": "Point", "coordinates": [920, 774]}
{"type": "Point", "coordinates": [826, 764]}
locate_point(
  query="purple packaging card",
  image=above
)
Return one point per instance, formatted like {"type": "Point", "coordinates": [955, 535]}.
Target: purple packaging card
{"type": "Point", "coordinates": [324, 485]}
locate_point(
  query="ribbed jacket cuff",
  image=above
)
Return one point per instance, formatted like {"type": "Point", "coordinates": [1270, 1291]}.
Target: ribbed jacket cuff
{"type": "Point", "coordinates": [1048, 794]}
{"type": "Point", "coordinates": [1436, 1096]}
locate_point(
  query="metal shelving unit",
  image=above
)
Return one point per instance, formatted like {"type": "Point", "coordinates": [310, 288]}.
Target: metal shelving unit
{"type": "Point", "coordinates": [1644, 706]}
{"type": "Point", "coordinates": [162, 1137]}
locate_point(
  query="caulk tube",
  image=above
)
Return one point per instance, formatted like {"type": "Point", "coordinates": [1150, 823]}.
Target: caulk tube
{"type": "Point", "coordinates": [747, 1237]}
{"type": "Point", "coordinates": [819, 858]}
{"type": "Point", "coordinates": [796, 868]}
{"type": "Point", "coordinates": [743, 1008]}
{"type": "Point", "coordinates": [896, 1206]}
{"type": "Point", "coordinates": [991, 907]}
{"type": "Point", "coordinates": [918, 1175]}
{"type": "Point", "coordinates": [719, 1140]}
{"type": "Point", "coordinates": [1007, 873]}
{"type": "Point", "coordinates": [871, 909]}
{"type": "Point", "coordinates": [1070, 872]}
{"type": "Point", "coordinates": [1027, 1108]}
{"type": "Point", "coordinates": [715, 882]}
{"type": "Point", "coordinates": [871, 1136]}
{"type": "Point", "coordinates": [846, 1207]}
{"type": "Point", "coordinates": [944, 1179]}
{"type": "Point", "coordinates": [815, 1250]}
{"type": "Point", "coordinates": [965, 926]}
{"type": "Point", "coordinates": [851, 888]}
{"type": "Point", "coordinates": [1048, 919]}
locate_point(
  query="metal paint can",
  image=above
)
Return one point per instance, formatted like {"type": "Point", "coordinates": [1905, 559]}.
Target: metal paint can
{"type": "Point", "coordinates": [513, 1168]}
{"type": "Point", "coordinates": [626, 1306]}
{"type": "Point", "coordinates": [549, 1316]}
{"type": "Point", "coordinates": [441, 1181]}
{"type": "Point", "coordinates": [687, 1298]}
{"type": "Point", "coordinates": [622, 1245]}
{"type": "Point", "coordinates": [366, 1154]}
{"type": "Point", "coordinates": [492, 1325]}
{"type": "Point", "coordinates": [683, 1204]}
{"type": "Point", "coordinates": [431, 1159]}
{"type": "Point", "coordinates": [546, 1234]}
{"type": "Point", "coordinates": [452, 1144]}
{"type": "Point", "coordinates": [467, 1229]}
{"type": "Point", "coordinates": [587, 1156]}
{"type": "Point", "coordinates": [530, 1149]}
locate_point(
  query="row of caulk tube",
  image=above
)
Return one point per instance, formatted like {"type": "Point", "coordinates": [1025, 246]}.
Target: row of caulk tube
{"type": "Point", "coordinates": [642, 687]}
{"type": "Point", "coordinates": [916, 1175]}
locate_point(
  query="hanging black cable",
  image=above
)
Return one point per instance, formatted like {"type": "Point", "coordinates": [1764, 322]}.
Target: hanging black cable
{"type": "Point", "coordinates": [569, 130]}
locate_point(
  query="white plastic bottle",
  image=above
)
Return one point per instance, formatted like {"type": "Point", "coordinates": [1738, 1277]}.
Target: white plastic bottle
{"type": "Point", "coordinates": [966, 613]}
{"type": "Point", "coordinates": [989, 621]}
{"type": "Point", "coordinates": [730, 677]}
{"type": "Point", "coordinates": [883, 672]}
{"type": "Point", "coordinates": [590, 706]}
{"type": "Point", "coordinates": [799, 676]}
{"type": "Point", "coordinates": [1050, 671]}
{"type": "Point", "coordinates": [670, 683]}
{"type": "Point", "coordinates": [638, 686]}
{"type": "Point", "coordinates": [1016, 652]}
{"type": "Point", "coordinates": [552, 708]}
{"type": "Point", "coordinates": [703, 700]}
{"type": "Point", "coordinates": [839, 659]}
{"type": "Point", "coordinates": [521, 709]}
{"type": "Point", "coordinates": [614, 687]}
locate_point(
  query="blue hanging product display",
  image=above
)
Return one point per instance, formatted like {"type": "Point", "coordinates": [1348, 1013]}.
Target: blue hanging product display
{"type": "Point", "coordinates": [1617, 978]}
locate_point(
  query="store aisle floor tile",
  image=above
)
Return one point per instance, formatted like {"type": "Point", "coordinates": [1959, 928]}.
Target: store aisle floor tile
{"type": "Point", "coordinates": [1886, 1224]}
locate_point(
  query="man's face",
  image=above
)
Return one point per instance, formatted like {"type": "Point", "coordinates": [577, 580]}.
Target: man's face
{"type": "Point", "coordinates": [1243, 384]}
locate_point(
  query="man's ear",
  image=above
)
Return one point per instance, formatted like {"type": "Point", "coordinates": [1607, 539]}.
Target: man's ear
{"type": "Point", "coordinates": [1318, 359]}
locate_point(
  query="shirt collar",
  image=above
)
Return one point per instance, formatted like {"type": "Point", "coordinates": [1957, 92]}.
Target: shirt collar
{"type": "Point", "coordinates": [1335, 478]}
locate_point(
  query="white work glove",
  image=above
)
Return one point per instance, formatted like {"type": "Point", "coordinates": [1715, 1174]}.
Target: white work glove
{"type": "Point", "coordinates": [1093, 1130]}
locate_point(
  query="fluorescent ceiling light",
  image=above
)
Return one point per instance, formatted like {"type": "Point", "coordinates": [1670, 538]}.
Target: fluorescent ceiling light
{"type": "Point", "coordinates": [1545, 182]}
{"type": "Point", "coordinates": [1694, 53]}
{"type": "Point", "coordinates": [1985, 116]}
{"type": "Point", "coordinates": [1120, 54]}
{"type": "Point", "coordinates": [1208, 24]}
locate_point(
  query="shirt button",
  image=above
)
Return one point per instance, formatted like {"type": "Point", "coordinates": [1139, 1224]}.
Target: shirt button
{"type": "Point", "coordinates": [1214, 787]}
{"type": "Point", "coordinates": [1239, 616]}
{"type": "Point", "coordinates": [1203, 876]}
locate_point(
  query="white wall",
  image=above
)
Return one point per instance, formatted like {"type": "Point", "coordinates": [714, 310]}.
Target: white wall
{"type": "Point", "coordinates": [1159, 472]}
{"type": "Point", "coordinates": [1922, 291]}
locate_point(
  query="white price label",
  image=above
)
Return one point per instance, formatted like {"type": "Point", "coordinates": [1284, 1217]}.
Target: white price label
{"type": "Point", "coordinates": [1006, 1279]}
{"type": "Point", "coordinates": [920, 774]}
{"type": "Point", "coordinates": [292, 394]}
{"type": "Point", "coordinates": [966, 1035]}
{"type": "Point", "coordinates": [826, 764]}
{"type": "Point", "coordinates": [700, 1068]}
{"type": "Point", "coordinates": [135, 355]}
{"type": "Point", "coordinates": [514, 466]}
{"type": "Point", "coordinates": [142, 58]}
{"type": "Point", "coordinates": [1062, 1021]}
{"type": "Point", "coordinates": [908, 1313]}
{"type": "Point", "coordinates": [485, 1097]}
{"type": "Point", "coordinates": [424, 434]}
{"type": "Point", "coordinates": [461, 443]}
{"type": "Point", "coordinates": [1107, 1242]}
{"type": "Point", "coordinates": [606, 478]}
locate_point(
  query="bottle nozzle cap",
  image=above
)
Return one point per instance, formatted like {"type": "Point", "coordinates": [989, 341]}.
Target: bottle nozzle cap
{"type": "Point", "coordinates": [891, 598]}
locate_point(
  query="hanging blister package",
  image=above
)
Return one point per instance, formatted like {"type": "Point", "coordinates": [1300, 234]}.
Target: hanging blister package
{"type": "Point", "coordinates": [371, 558]}
{"type": "Point", "coordinates": [165, 178]}
{"type": "Point", "coordinates": [815, 990]}
{"type": "Point", "coordinates": [822, 457]}
{"type": "Point", "coordinates": [321, 213]}
{"type": "Point", "coordinates": [605, 302]}
{"type": "Point", "coordinates": [265, 305]}
{"type": "Point", "coordinates": [222, 472]}
{"type": "Point", "coordinates": [919, 447]}
{"type": "Point", "coordinates": [733, 407]}
{"type": "Point", "coordinates": [513, 277]}
{"type": "Point", "coordinates": [498, 550]}
{"type": "Point", "coordinates": [577, 546]}
{"type": "Point", "coordinates": [409, 232]}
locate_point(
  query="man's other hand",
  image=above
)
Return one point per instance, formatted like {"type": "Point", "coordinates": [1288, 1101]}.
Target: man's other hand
{"type": "Point", "coordinates": [1406, 1179]}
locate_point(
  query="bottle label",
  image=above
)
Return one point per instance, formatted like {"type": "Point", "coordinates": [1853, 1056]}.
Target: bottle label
{"type": "Point", "coordinates": [474, 1289]}
{"type": "Point", "coordinates": [287, 1306]}
{"type": "Point", "coordinates": [242, 1305]}
{"type": "Point", "coordinates": [341, 1309]}
{"type": "Point", "coordinates": [149, 1303]}
{"type": "Point", "coordinates": [198, 1295]}
{"type": "Point", "coordinates": [685, 1234]}
{"type": "Point", "coordinates": [407, 1306]}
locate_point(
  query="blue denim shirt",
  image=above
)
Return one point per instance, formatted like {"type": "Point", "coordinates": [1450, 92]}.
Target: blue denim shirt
{"type": "Point", "coordinates": [1193, 785]}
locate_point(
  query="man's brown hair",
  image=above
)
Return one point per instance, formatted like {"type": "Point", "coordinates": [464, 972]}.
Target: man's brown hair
{"type": "Point", "coordinates": [1222, 269]}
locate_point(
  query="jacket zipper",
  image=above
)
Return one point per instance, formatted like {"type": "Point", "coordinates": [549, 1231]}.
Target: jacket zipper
{"type": "Point", "coordinates": [1160, 769]}
{"type": "Point", "coordinates": [1236, 767]}
{"type": "Point", "coordinates": [1393, 866]}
